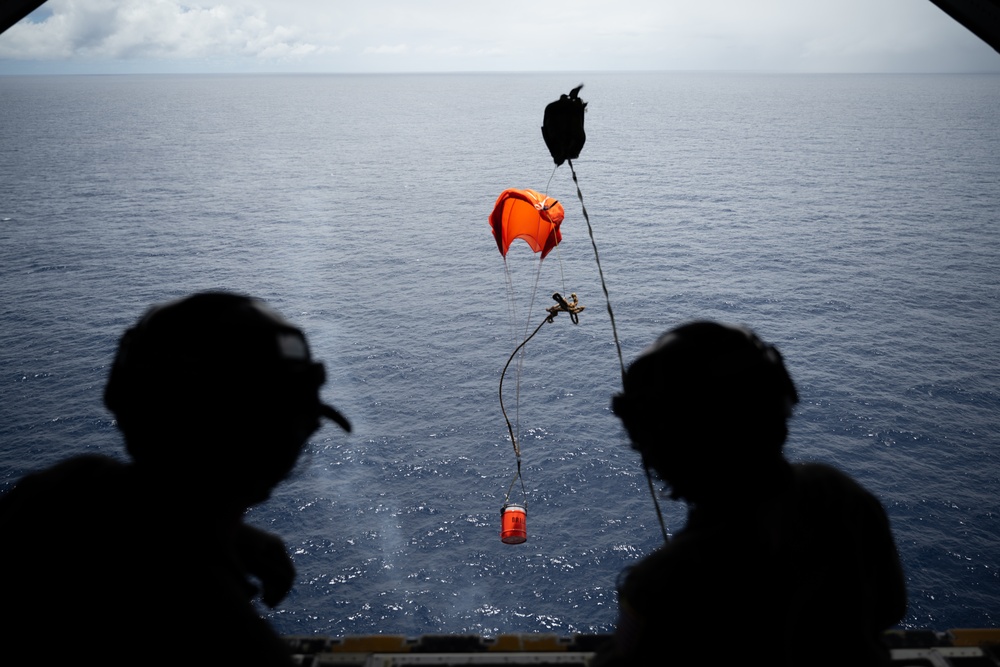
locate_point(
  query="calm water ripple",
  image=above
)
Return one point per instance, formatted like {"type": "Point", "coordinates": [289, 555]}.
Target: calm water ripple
{"type": "Point", "coordinates": [852, 220]}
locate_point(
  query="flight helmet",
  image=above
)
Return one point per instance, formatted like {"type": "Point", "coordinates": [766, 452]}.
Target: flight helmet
{"type": "Point", "coordinates": [706, 390]}
{"type": "Point", "coordinates": [217, 380]}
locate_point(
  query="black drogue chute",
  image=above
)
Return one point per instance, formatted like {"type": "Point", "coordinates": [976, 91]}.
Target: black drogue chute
{"type": "Point", "coordinates": [562, 126]}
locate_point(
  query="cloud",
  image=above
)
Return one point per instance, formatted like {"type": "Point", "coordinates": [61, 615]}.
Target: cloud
{"type": "Point", "coordinates": [396, 50]}
{"type": "Point", "coordinates": [152, 29]}
{"type": "Point", "coordinates": [511, 35]}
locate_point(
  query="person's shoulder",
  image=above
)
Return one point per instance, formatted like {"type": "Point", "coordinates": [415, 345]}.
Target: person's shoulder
{"type": "Point", "coordinates": [688, 554]}
{"type": "Point", "coordinates": [88, 463]}
{"type": "Point", "coordinates": [86, 475]}
{"type": "Point", "coordinates": [812, 474]}
{"type": "Point", "coordinates": [819, 485]}
{"type": "Point", "coordinates": [79, 464]}
{"type": "Point", "coordinates": [84, 466]}
{"type": "Point", "coordinates": [814, 468]}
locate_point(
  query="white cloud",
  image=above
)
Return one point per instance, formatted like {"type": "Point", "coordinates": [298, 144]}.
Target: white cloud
{"type": "Point", "coordinates": [453, 35]}
{"type": "Point", "coordinates": [398, 49]}
{"type": "Point", "coordinates": [152, 29]}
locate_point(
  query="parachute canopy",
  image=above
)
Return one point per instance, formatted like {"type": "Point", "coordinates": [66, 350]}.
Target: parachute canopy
{"type": "Point", "coordinates": [562, 127]}
{"type": "Point", "coordinates": [528, 215]}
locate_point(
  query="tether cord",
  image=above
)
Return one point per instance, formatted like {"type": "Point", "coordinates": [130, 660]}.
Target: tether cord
{"type": "Point", "coordinates": [600, 271]}
{"type": "Point", "coordinates": [510, 428]}
{"type": "Point", "coordinates": [572, 307]}
{"type": "Point", "coordinates": [656, 503]}
{"type": "Point", "coordinates": [614, 331]}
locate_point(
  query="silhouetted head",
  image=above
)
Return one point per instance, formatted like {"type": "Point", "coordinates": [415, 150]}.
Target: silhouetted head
{"type": "Point", "coordinates": [219, 389]}
{"type": "Point", "coordinates": [705, 404]}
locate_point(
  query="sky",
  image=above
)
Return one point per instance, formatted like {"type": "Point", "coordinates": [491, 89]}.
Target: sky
{"type": "Point", "coordinates": [153, 36]}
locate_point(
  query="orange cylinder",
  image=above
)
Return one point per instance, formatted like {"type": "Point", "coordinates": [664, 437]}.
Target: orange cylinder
{"type": "Point", "coordinates": [513, 524]}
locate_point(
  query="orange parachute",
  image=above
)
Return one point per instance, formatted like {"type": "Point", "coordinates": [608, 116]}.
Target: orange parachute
{"type": "Point", "coordinates": [529, 215]}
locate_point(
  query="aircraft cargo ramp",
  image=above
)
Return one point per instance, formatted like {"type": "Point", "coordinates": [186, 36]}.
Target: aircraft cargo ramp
{"type": "Point", "coordinates": [910, 648]}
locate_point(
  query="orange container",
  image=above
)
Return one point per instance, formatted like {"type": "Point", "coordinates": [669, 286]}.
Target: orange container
{"type": "Point", "coordinates": [513, 524]}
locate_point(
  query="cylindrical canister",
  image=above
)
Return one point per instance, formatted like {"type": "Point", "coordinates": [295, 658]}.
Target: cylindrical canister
{"type": "Point", "coordinates": [513, 524]}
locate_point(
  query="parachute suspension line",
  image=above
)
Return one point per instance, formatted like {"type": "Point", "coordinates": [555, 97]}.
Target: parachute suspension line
{"type": "Point", "coordinates": [534, 293]}
{"type": "Point", "coordinates": [573, 307]}
{"type": "Point", "coordinates": [562, 276]}
{"type": "Point", "coordinates": [547, 185]}
{"type": "Point", "coordinates": [614, 331]}
{"type": "Point", "coordinates": [520, 358]}
{"type": "Point", "coordinates": [512, 316]}
{"type": "Point", "coordinates": [511, 305]}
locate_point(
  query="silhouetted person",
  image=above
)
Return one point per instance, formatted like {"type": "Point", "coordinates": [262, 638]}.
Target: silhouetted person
{"type": "Point", "coordinates": [791, 564]}
{"type": "Point", "coordinates": [149, 562]}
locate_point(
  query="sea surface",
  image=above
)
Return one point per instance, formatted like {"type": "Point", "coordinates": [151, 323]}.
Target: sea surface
{"type": "Point", "coordinates": [852, 220]}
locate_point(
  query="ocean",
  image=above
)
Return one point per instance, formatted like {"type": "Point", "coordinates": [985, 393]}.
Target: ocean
{"type": "Point", "coordinates": [852, 220]}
